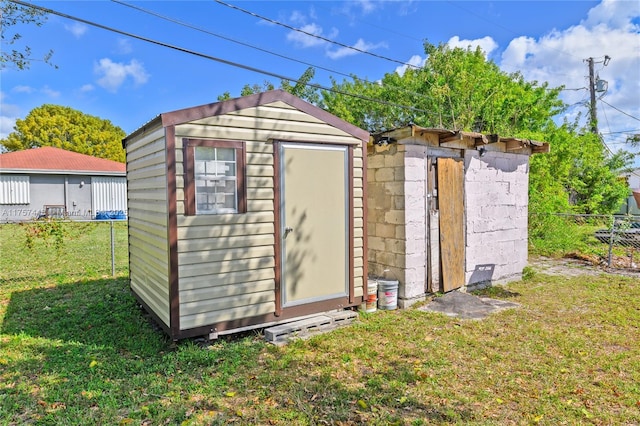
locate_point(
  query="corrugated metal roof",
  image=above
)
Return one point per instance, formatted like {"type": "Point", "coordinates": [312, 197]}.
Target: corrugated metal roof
{"type": "Point", "coordinates": [55, 159]}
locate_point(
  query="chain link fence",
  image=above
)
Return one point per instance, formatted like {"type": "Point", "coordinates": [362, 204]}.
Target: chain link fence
{"type": "Point", "coordinates": [62, 251]}
{"type": "Point", "coordinates": [610, 240]}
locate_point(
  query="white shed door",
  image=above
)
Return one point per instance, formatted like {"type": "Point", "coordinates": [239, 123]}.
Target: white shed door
{"type": "Point", "coordinates": [109, 193]}
{"type": "Point", "coordinates": [314, 220]}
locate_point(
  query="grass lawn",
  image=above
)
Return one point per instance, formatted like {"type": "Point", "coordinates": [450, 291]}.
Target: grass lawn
{"type": "Point", "coordinates": [76, 349]}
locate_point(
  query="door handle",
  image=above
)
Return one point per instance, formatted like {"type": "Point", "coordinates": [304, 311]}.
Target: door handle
{"type": "Point", "coordinates": [287, 231]}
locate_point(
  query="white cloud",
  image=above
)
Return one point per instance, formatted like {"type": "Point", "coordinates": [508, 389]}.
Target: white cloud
{"type": "Point", "coordinates": [560, 58]}
{"type": "Point", "coordinates": [6, 125]}
{"type": "Point", "coordinates": [124, 46]}
{"type": "Point", "coordinates": [8, 118]}
{"type": "Point", "coordinates": [415, 60]}
{"type": "Point", "coordinates": [360, 45]}
{"type": "Point", "coordinates": [77, 29]}
{"type": "Point", "coordinates": [367, 6]}
{"type": "Point", "coordinates": [114, 74]}
{"type": "Point", "coordinates": [613, 13]}
{"type": "Point", "coordinates": [50, 92]}
{"type": "Point", "coordinates": [305, 40]}
{"type": "Point", "coordinates": [23, 89]}
{"type": "Point", "coordinates": [87, 88]}
{"type": "Point", "coordinates": [298, 18]}
{"type": "Point", "coordinates": [487, 44]}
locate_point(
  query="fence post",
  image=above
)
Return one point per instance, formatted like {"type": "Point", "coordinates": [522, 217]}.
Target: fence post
{"type": "Point", "coordinates": [113, 250]}
{"type": "Point", "coordinates": [611, 238]}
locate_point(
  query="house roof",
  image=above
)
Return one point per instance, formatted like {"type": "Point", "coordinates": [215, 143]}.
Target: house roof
{"type": "Point", "coordinates": [55, 160]}
{"type": "Point", "coordinates": [219, 108]}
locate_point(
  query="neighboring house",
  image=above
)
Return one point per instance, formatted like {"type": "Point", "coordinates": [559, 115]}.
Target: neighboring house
{"type": "Point", "coordinates": [244, 213]}
{"type": "Point", "coordinates": [447, 209]}
{"type": "Point", "coordinates": [54, 182]}
{"type": "Point", "coordinates": [632, 203]}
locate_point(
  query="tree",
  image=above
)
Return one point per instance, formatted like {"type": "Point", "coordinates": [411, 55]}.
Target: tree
{"type": "Point", "coordinates": [460, 89]}
{"type": "Point", "coordinates": [578, 176]}
{"type": "Point", "coordinates": [302, 88]}
{"type": "Point", "coordinates": [66, 128]}
{"type": "Point", "coordinates": [11, 15]}
{"type": "Point", "coordinates": [455, 89]}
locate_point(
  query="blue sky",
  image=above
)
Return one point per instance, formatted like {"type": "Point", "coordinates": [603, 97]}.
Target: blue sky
{"type": "Point", "coordinates": [129, 81]}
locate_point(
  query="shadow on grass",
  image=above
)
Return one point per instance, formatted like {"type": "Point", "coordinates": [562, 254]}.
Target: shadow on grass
{"type": "Point", "coordinates": [85, 353]}
{"type": "Point", "coordinates": [99, 312]}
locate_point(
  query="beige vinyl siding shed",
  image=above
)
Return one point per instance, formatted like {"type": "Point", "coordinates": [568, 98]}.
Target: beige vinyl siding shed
{"type": "Point", "coordinates": [245, 213]}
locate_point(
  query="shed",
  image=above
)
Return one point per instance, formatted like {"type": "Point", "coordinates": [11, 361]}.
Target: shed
{"type": "Point", "coordinates": [632, 203]}
{"type": "Point", "coordinates": [447, 209]}
{"type": "Point", "coordinates": [50, 181]}
{"type": "Point", "coordinates": [245, 213]}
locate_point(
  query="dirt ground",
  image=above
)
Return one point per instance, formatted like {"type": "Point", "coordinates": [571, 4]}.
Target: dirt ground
{"type": "Point", "coordinates": [579, 265]}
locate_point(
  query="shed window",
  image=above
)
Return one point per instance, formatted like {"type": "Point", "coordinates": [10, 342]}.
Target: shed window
{"type": "Point", "coordinates": [14, 189]}
{"type": "Point", "coordinates": [214, 177]}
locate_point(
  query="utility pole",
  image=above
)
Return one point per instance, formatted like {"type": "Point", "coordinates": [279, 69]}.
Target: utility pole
{"type": "Point", "coordinates": [592, 90]}
{"type": "Point", "coordinates": [593, 86]}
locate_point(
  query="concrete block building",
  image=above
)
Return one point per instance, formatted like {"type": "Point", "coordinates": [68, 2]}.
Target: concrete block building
{"type": "Point", "coordinates": [447, 209]}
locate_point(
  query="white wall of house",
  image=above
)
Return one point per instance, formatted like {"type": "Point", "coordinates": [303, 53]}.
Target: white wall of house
{"type": "Point", "coordinates": [25, 196]}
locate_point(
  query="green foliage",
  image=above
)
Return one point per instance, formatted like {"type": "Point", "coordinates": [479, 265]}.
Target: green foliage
{"type": "Point", "coordinates": [302, 88]}
{"type": "Point", "coordinates": [13, 14]}
{"type": "Point", "coordinates": [51, 231]}
{"type": "Point", "coordinates": [455, 89]}
{"type": "Point", "coordinates": [460, 89]}
{"type": "Point", "coordinates": [559, 235]}
{"type": "Point", "coordinates": [67, 128]}
{"type": "Point", "coordinates": [577, 176]}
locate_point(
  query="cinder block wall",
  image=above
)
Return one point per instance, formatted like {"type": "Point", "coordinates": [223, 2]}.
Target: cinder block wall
{"type": "Point", "coordinates": [396, 218]}
{"type": "Point", "coordinates": [496, 204]}
{"type": "Point", "coordinates": [385, 211]}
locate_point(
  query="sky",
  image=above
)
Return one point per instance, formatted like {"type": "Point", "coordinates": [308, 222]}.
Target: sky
{"type": "Point", "coordinates": [129, 81]}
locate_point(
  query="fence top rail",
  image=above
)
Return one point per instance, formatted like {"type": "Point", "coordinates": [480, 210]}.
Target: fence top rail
{"type": "Point", "coordinates": [17, 222]}
{"type": "Point", "coordinates": [616, 216]}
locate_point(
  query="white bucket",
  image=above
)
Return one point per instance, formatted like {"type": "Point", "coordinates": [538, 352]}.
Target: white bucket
{"type": "Point", "coordinates": [387, 294]}
{"type": "Point", "coordinates": [372, 296]}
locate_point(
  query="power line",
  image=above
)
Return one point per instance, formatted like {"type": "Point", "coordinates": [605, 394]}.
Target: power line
{"type": "Point", "coordinates": [255, 15]}
{"type": "Point", "coordinates": [228, 62]}
{"type": "Point", "coordinates": [229, 39]}
{"type": "Point", "coordinates": [191, 26]}
{"type": "Point", "coordinates": [622, 131]}
{"type": "Point", "coordinates": [619, 110]}
{"type": "Point", "coordinates": [386, 29]}
{"type": "Point", "coordinates": [210, 57]}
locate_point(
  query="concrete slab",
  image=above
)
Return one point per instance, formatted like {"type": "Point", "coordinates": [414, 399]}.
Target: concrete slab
{"type": "Point", "coordinates": [466, 306]}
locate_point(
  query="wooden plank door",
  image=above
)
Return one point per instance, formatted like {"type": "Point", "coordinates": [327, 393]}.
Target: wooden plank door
{"type": "Point", "coordinates": [451, 207]}
{"type": "Point", "coordinates": [314, 232]}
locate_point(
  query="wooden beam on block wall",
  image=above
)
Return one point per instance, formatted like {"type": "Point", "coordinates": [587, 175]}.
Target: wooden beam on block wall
{"type": "Point", "coordinates": [512, 144]}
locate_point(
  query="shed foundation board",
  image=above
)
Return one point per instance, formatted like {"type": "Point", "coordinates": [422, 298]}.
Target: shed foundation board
{"type": "Point", "coordinates": [305, 327]}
